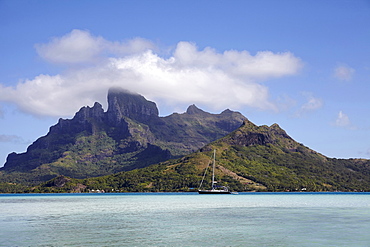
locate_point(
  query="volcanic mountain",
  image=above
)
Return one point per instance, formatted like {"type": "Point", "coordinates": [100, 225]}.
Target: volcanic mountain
{"type": "Point", "coordinates": [131, 148]}
{"type": "Point", "coordinates": [251, 158]}
{"type": "Point", "coordinates": [129, 135]}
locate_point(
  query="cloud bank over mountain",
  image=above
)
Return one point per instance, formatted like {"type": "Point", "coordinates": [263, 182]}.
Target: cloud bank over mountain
{"type": "Point", "coordinates": [187, 75]}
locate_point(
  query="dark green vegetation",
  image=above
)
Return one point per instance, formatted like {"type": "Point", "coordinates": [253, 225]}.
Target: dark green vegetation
{"type": "Point", "coordinates": [128, 136]}
{"type": "Point", "coordinates": [267, 155]}
{"type": "Point", "coordinates": [148, 156]}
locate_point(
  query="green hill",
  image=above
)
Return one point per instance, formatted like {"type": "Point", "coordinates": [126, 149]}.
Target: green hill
{"type": "Point", "coordinates": [251, 158]}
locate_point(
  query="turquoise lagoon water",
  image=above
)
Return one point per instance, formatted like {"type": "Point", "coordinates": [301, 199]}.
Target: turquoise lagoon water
{"type": "Point", "coordinates": [186, 219]}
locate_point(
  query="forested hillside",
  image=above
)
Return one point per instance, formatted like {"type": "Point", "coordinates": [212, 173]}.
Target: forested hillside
{"type": "Point", "coordinates": [251, 158]}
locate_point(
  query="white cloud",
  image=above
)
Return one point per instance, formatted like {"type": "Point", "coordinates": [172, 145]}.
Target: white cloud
{"type": "Point", "coordinates": [80, 46]}
{"type": "Point", "coordinates": [76, 47]}
{"type": "Point", "coordinates": [264, 64]}
{"type": "Point", "coordinates": [188, 75]}
{"type": "Point", "coordinates": [312, 104]}
{"type": "Point", "coordinates": [342, 120]}
{"type": "Point", "coordinates": [344, 73]}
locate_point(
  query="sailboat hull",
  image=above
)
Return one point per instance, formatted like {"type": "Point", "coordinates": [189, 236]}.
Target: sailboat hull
{"type": "Point", "coordinates": [213, 190]}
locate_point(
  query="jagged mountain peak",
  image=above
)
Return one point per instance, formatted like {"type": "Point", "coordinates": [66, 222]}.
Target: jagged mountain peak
{"type": "Point", "coordinates": [250, 134]}
{"type": "Point", "coordinates": [87, 112]}
{"type": "Point", "coordinates": [129, 135]}
{"type": "Point", "coordinates": [132, 105]}
{"type": "Point", "coordinates": [227, 111]}
{"type": "Point", "coordinates": [194, 110]}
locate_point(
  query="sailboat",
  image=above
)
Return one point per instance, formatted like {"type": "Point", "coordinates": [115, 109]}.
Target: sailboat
{"type": "Point", "coordinates": [214, 188]}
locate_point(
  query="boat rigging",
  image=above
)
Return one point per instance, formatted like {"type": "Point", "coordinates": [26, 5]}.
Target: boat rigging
{"type": "Point", "coordinates": [214, 188]}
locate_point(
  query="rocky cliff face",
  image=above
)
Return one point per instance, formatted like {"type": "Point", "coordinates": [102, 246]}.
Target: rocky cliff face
{"type": "Point", "coordinates": [86, 119]}
{"type": "Point", "coordinates": [129, 135]}
{"type": "Point", "coordinates": [122, 103]}
{"type": "Point", "coordinates": [250, 134]}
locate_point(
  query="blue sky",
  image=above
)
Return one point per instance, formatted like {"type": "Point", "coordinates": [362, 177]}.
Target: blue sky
{"type": "Point", "coordinates": [302, 64]}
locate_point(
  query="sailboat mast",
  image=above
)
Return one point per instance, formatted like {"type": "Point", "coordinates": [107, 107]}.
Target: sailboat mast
{"type": "Point", "coordinates": [213, 170]}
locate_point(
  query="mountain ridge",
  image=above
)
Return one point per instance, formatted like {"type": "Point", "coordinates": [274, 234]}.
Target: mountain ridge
{"type": "Point", "coordinates": [145, 152]}
{"type": "Point", "coordinates": [129, 135]}
{"type": "Point", "coordinates": [250, 158]}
